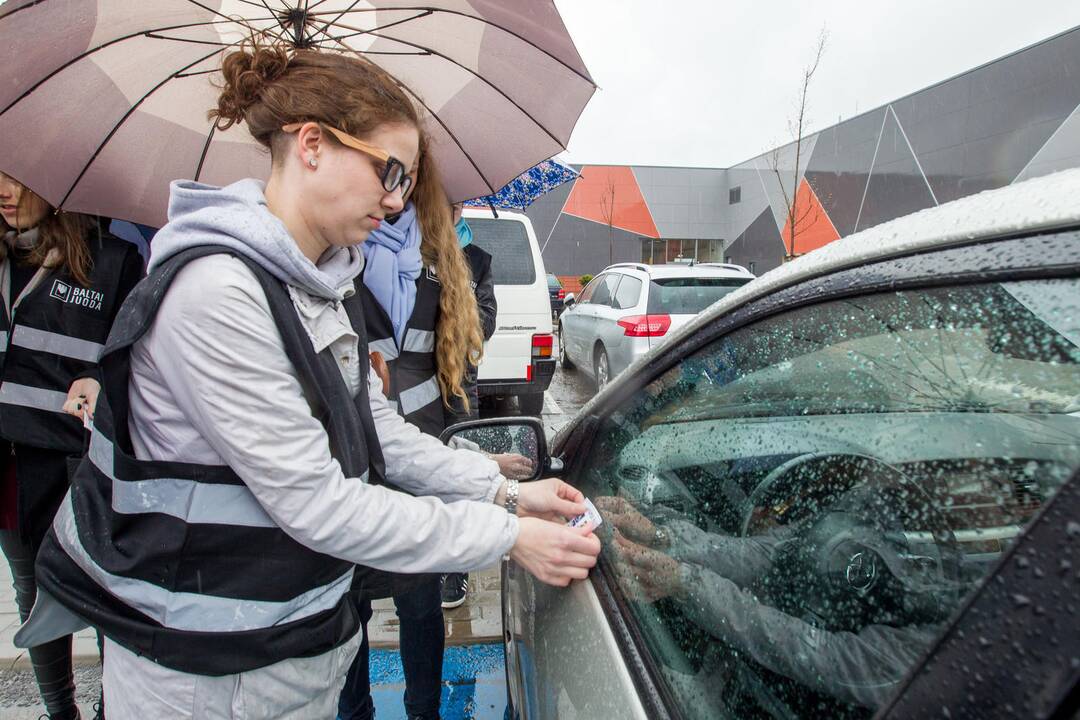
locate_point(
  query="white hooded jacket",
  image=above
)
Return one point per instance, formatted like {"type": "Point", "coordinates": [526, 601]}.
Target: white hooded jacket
{"type": "Point", "coordinates": [211, 384]}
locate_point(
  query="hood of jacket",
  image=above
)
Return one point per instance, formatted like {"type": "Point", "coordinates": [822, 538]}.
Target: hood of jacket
{"type": "Point", "coordinates": [236, 216]}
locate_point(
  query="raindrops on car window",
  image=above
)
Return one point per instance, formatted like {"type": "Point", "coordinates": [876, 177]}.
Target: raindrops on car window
{"type": "Point", "coordinates": [794, 512]}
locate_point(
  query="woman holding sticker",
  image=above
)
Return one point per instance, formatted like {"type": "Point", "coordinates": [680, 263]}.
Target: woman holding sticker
{"type": "Point", "coordinates": [245, 468]}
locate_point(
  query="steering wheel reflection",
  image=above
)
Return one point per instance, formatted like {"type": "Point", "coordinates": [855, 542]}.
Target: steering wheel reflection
{"type": "Point", "coordinates": [865, 544]}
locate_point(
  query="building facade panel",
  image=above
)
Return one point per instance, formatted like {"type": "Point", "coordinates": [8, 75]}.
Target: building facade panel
{"type": "Point", "coordinates": [1009, 120]}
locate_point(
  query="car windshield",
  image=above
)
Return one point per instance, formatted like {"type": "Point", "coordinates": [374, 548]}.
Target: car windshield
{"type": "Point", "coordinates": [508, 244]}
{"type": "Point", "coordinates": [794, 512]}
{"type": "Point", "coordinates": [553, 282]}
{"type": "Point", "coordinates": [689, 295]}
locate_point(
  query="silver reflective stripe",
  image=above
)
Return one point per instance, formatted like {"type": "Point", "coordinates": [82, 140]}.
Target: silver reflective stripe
{"type": "Point", "coordinates": [57, 344]}
{"type": "Point", "coordinates": [28, 396]}
{"type": "Point", "coordinates": [418, 396]}
{"type": "Point", "coordinates": [3, 340]}
{"type": "Point", "coordinates": [194, 612]}
{"type": "Point", "coordinates": [419, 341]}
{"type": "Point", "coordinates": [192, 502]}
{"type": "Point", "coordinates": [385, 346]}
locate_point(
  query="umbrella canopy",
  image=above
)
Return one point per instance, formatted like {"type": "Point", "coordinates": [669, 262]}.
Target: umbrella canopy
{"type": "Point", "coordinates": [522, 191]}
{"type": "Point", "coordinates": [104, 102]}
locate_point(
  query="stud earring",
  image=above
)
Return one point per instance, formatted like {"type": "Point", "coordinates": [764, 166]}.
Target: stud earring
{"type": "Point", "coordinates": [312, 161]}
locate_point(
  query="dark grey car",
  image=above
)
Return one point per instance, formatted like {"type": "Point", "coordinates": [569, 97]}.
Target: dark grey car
{"type": "Point", "coordinates": [850, 490]}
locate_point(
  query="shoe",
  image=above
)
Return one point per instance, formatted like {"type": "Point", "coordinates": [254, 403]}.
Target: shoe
{"type": "Point", "coordinates": [70, 715]}
{"type": "Point", "coordinates": [455, 586]}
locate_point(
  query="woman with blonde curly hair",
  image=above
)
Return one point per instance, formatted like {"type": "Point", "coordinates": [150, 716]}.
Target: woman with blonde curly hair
{"type": "Point", "coordinates": [421, 317]}
{"type": "Point", "coordinates": [63, 280]}
{"type": "Point", "coordinates": [242, 497]}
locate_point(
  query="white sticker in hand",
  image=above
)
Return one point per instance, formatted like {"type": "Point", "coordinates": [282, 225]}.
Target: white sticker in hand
{"type": "Point", "coordinates": [589, 516]}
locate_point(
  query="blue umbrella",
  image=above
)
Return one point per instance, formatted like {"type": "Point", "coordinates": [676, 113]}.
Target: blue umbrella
{"type": "Point", "coordinates": [522, 191]}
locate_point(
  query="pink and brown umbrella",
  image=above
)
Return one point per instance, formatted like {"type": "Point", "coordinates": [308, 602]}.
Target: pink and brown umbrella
{"type": "Point", "coordinates": [104, 101]}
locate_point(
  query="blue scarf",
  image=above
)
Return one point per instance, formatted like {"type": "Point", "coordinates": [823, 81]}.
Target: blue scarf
{"type": "Point", "coordinates": [464, 232]}
{"type": "Point", "coordinates": [393, 266]}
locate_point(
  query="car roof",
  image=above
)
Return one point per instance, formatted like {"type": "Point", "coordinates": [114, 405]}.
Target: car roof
{"type": "Point", "coordinates": [683, 270]}
{"type": "Point", "coordinates": [1044, 203]}
{"type": "Point", "coordinates": [488, 214]}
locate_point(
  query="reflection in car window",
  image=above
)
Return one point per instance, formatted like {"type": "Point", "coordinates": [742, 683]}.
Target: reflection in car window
{"type": "Point", "coordinates": [628, 293]}
{"type": "Point", "coordinates": [795, 511]}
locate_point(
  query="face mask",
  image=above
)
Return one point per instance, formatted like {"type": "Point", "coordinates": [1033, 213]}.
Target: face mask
{"type": "Point", "coordinates": [464, 232]}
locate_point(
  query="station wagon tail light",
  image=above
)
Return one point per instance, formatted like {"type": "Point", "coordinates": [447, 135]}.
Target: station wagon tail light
{"type": "Point", "coordinates": [645, 325]}
{"type": "Point", "coordinates": [561, 294]}
{"type": "Point", "coordinates": [541, 346]}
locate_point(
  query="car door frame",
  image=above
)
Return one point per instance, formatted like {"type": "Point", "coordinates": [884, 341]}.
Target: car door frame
{"type": "Point", "coordinates": [576, 315]}
{"type": "Point", "coordinates": [590, 322]}
{"type": "Point", "coordinates": [1035, 255]}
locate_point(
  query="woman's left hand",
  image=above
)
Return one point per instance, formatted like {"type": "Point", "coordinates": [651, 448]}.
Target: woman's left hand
{"type": "Point", "coordinates": [82, 397]}
{"type": "Point", "coordinates": [550, 499]}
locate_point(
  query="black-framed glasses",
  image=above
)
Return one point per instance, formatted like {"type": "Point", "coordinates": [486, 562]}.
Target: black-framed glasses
{"type": "Point", "coordinates": [394, 174]}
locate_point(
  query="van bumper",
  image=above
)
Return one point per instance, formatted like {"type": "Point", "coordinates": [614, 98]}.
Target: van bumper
{"type": "Point", "coordinates": [542, 372]}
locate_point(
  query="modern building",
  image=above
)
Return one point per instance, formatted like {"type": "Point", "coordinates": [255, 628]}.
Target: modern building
{"type": "Point", "coordinates": [1003, 122]}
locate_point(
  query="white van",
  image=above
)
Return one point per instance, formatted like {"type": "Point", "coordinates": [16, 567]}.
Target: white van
{"type": "Point", "coordinates": [517, 359]}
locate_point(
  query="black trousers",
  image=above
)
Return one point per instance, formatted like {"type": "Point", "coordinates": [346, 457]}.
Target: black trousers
{"type": "Point", "coordinates": [51, 661]}
{"type": "Point", "coordinates": [423, 637]}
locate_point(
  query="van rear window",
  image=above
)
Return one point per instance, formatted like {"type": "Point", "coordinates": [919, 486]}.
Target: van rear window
{"type": "Point", "coordinates": [508, 244]}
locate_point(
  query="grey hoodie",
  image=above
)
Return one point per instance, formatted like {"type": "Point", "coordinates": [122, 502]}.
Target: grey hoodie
{"type": "Point", "coordinates": [236, 216]}
{"type": "Point", "coordinates": [210, 383]}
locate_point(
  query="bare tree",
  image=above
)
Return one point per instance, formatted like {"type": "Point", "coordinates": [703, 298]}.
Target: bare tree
{"type": "Point", "coordinates": [607, 211]}
{"type": "Point", "coordinates": [798, 218]}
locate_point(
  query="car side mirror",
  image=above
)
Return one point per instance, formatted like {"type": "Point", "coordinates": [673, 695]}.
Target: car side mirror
{"type": "Point", "coordinates": [517, 444]}
{"type": "Point", "coordinates": [569, 300]}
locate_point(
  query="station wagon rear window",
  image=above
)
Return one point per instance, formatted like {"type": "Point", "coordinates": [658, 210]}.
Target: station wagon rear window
{"type": "Point", "coordinates": [689, 295]}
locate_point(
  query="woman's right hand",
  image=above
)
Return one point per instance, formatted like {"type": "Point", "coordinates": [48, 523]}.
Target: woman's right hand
{"type": "Point", "coordinates": [555, 553]}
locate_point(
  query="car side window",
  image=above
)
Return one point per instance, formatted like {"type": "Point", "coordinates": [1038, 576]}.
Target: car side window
{"type": "Point", "coordinates": [588, 290]}
{"type": "Point", "coordinates": [628, 294]}
{"type": "Point", "coordinates": [794, 512]}
{"type": "Point", "coordinates": [605, 289]}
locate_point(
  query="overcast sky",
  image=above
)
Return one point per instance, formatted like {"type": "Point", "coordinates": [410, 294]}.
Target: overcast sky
{"type": "Point", "coordinates": [710, 83]}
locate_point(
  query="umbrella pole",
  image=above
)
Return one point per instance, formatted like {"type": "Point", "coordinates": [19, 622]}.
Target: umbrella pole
{"type": "Point", "coordinates": [494, 212]}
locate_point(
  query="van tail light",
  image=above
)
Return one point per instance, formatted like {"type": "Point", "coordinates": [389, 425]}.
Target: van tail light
{"type": "Point", "coordinates": [562, 293]}
{"type": "Point", "coordinates": [645, 325]}
{"type": "Point", "coordinates": [541, 346]}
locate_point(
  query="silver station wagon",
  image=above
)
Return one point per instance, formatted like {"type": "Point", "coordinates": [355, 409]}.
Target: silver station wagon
{"type": "Point", "coordinates": [630, 308]}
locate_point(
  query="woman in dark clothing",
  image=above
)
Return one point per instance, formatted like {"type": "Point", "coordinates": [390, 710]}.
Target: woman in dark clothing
{"type": "Point", "coordinates": [455, 586]}
{"type": "Point", "coordinates": [63, 279]}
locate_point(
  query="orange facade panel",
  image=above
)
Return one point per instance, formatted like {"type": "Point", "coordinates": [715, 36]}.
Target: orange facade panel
{"type": "Point", "coordinates": [813, 227]}
{"type": "Point", "coordinates": [605, 192]}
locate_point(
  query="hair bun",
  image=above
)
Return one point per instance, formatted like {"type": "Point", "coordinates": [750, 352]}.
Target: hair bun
{"type": "Point", "coordinates": [246, 72]}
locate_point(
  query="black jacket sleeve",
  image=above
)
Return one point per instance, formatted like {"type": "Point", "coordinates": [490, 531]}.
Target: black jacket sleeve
{"type": "Point", "coordinates": [480, 264]}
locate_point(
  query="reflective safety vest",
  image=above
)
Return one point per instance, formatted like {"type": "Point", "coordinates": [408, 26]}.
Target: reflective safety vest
{"type": "Point", "coordinates": [414, 386]}
{"type": "Point", "coordinates": [179, 562]}
{"type": "Point", "coordinates": [54, 331]}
